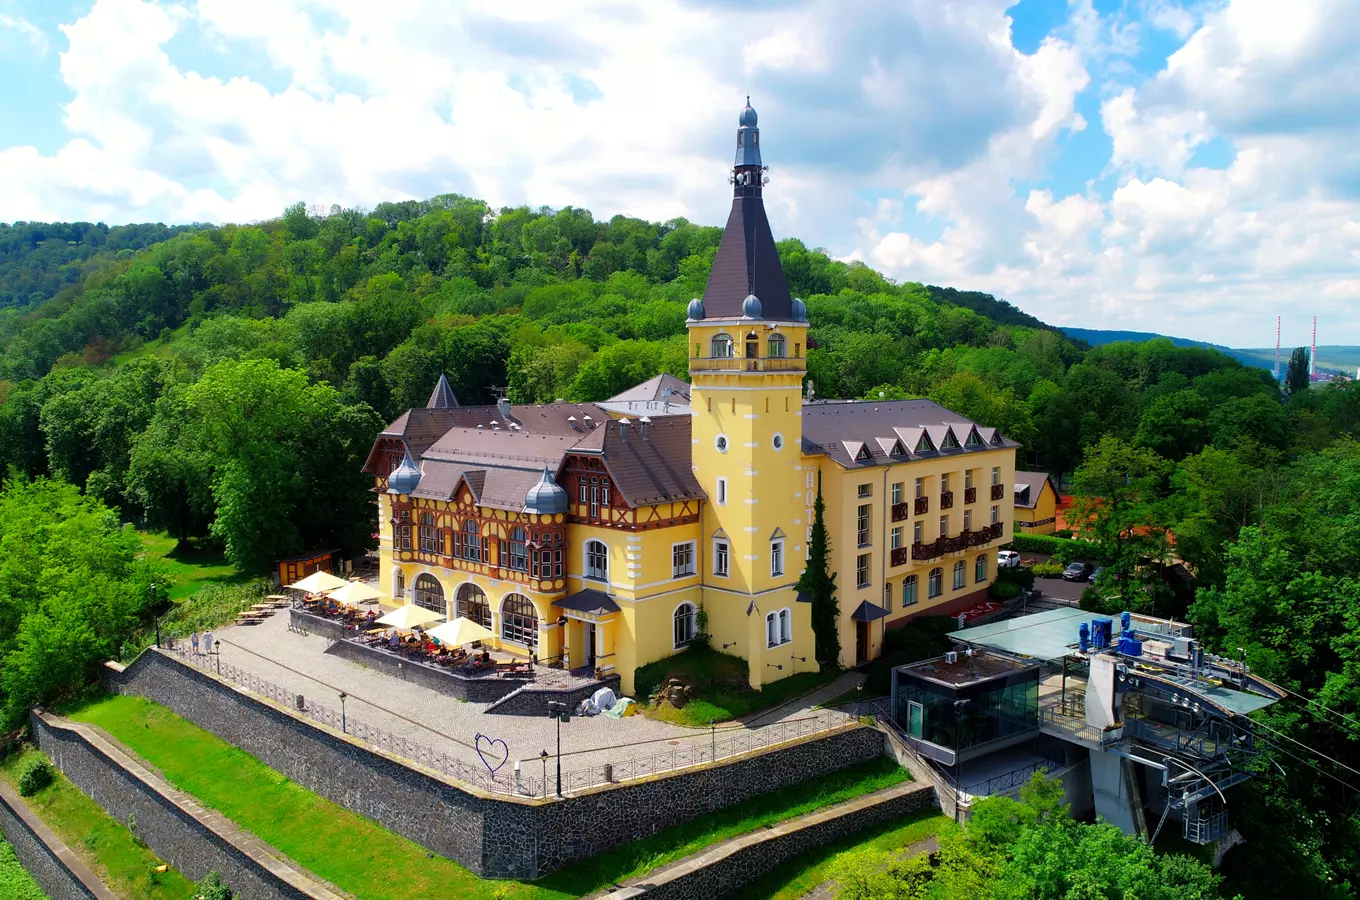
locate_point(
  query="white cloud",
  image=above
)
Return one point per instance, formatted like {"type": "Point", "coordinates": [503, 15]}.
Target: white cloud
{"type": "Point", "coordinates": [25, 30]}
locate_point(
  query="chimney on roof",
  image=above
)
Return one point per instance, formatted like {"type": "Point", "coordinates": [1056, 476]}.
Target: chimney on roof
{"type": "Point", "coordinates": [571, 421]}
{"type": "Point", "coordinates": [642, 427]}
{"type": "Point", "coordinates": [623, 430]}
{"type": "Point", "coordinates": [666, 399]}
{"type": "Point", "coordinates": [495, 426]}
{"type": "Point", "coordinates": [589, 422]}
{"type": "Point", "coordinates": [503, 405]}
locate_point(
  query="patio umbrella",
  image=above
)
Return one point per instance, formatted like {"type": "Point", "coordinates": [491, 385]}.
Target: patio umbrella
{"type": "Point", "coordinates": [461, 631]}
{"type": "Point", "coordinates": [353, 593]}
{"type": "Point", "coordinates": [409, 616]}
{"type": "Point", "coordinates": [318, 582]}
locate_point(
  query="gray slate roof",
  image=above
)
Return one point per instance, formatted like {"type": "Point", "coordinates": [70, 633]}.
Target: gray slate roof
{"type": "Point", "coordinates": [865, 433]}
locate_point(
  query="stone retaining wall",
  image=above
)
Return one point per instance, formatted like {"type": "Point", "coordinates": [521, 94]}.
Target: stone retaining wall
{"type": "Point", "coordinates": [723, 871]}
{"type": "Point", "coordinates": [533, 700]}
{"type": "Point", "coordinates": [60, 874]}
{"type": "Point", "coordinates": [496, 836]}
{"type": "Point", "coordinates": [193, 839]}
{"type": "Point", "coordinates": [477, 689]}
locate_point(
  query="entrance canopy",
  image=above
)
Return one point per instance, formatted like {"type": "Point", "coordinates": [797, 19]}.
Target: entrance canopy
{"type": "Point", "coordinates": [459, 632]}
{"type": "Point", "coordinates": [318, 582]}
{"type": "Point", "coordinates": [1048, 636]}
{"type": "Point", "coordinates": [868, 612]}
{"type": "Point", "coordinates": [589, 601]}
{"type": "Point", "coordinates": [409, 616]}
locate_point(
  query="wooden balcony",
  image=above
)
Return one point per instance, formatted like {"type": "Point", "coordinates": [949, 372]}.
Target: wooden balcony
{"type": "Point", "coordinates": [957, 544]}
{"type": "Point", "coordinates": [970, 495]}
{"type": "Point", "coordinates": [947, 500]}
{"type": "Point", "coordinates": [900, 556]}
{"type": "Point", "coordinates": [922, 505]}
{"type": "Point", "coordinates": [901, 511]}
{"type": "Point", "coordinates": [998, 491]}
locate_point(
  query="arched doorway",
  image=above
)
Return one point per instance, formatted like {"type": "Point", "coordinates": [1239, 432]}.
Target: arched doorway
{"type": "Point", "coordinates": [471, 604]}
{"type": "Point", "coordinates": [519, 621]}
{"type": "Point", "coordinates": [428, 593]}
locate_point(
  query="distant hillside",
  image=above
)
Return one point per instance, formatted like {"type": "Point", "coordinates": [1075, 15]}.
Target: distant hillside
{"type": "Point", "coordinates": [1331, 358]}
{"type": "Point", "coordinates": [999, 311]}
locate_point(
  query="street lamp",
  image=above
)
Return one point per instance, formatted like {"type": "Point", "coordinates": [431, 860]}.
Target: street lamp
{"type": "Point", "coordinates": [562, 713]}
{"type": "Point", "coordinates": [859, 700]}
{"type": "Point", "coordinates": [343, 695]}
{"type": "Point", "coordinates": [543, 755]}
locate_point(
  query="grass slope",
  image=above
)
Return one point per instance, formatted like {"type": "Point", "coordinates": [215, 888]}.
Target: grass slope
{"type": "Point", "coordinates": [189, 567]}
{"type": "Point", "coordinates": [793, 880]}
{"type": "Point", "coordinates": [360, 857]}
{"type": "Point", "coordinates": [15, 882]}
{"type": "Point", "coordinates": [103, 844]}
{"type": "Point", "coordinates": [721, 687]}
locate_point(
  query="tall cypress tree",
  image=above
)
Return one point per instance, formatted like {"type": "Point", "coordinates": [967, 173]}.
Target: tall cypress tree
{"type": "Point", "coordinates": [820, 585]}
{"type": "Point", "coordinates": [1296, 376]}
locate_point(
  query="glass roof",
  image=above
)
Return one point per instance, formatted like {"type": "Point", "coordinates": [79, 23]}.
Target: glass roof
{"type": "Point", "coordinates": [1049, 635]}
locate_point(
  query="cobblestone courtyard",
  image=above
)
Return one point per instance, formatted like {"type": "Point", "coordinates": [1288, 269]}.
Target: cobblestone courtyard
{"type": "Point", "coordinates": [299, 664]}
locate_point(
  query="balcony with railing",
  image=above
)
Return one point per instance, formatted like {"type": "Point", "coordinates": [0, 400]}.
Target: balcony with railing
{"type": "Point", "coordinates": [1060, 720]}
{"type": "Point", "coordinates": [998, 491]}
{"type": "Point", "coordinates": [957, 544]}
{"type": "Point", "coordinates": [901, 511]}
{"type": "Point", "coordinates": [748, 364]}
{"type": "Point", "coordinates": [922, 505]}
{"type": "Point", "coordinates": [946, 500]}
{"type": "Point", "coordinates": [970, 495]}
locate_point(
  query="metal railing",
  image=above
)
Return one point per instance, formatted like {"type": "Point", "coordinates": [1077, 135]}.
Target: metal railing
{"type": "Point", "coordinates": [719, 743]}
{"type": "Point", "coordinates": [1054, 718]}
{"type": "Point", "coordinates": [1009, 781]}
{"type": "Point", "coordinates": [748, 364]}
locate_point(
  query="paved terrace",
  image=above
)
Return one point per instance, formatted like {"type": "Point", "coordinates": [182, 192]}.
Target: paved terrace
{"type": "Point", "coordinates": [299, 664]}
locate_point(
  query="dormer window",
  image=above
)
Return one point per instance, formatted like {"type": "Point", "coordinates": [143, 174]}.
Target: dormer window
{"type": "Point", "coordinates": [923, 444]}
{"type": "Point", "coordinates": [950, 442]}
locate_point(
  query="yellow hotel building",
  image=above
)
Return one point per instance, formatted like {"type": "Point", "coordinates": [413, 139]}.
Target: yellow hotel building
{"type": "Point", "coordinates": [582, 533]}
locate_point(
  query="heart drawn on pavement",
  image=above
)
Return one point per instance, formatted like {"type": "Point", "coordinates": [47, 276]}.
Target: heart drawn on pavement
{"type": "Point", "coordinates": [487, 751]}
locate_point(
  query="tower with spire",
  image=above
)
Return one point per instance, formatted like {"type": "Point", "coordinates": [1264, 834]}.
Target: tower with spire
{"type": "Point", "coordinates": [748, 339]}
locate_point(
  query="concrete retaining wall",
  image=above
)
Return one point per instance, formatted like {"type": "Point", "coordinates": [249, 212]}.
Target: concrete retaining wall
{"type": "Point", "coordinates": [482, 689]}
{"type": "Point", "coordinates": [193, 839]}
{"type": "Point", "coordinates": [492, 835]}
{"type": "Point", "coordinates": [723, 871]}
{"type": "Point", "coordinates": [58, 871]}
{"type": "Point", "coordinates": [532, 700]}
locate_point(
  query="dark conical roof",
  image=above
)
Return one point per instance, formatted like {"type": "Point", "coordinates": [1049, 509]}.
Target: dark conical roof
{"type": "Point", "coordinates": [747, 263]}
{"type": "Point", "coordinates": [442, 396]}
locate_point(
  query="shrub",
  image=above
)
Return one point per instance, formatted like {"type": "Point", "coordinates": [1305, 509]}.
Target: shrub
{"type": "Point", "coordinates": [1004, 590]}
{"type": "Point", "coordinates": [1063, 550]}
{"type": "Point", "coordinates": [36, 774]}
{"type": "Point", "coordinates": [1022, 576]}
{"type": "Point", "coordinates": [1065, 533]}
{"type": "Point", "coordinates": [212, 887]}
{"type": "Point", "coordinates": [1048, 570]}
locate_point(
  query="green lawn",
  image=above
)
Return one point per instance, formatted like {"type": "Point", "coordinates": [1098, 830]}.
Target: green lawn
{"type": "Point", "coordinates": [15, 882]}
{"type": "Point", "coordinates": [189, 567]}
{"type": "Point", "coordinates": [795, 879]}
{"type": "Point", "coordinates": [721, 691]}
{"type": "Point", "coordinates": [104, 845]}
{"type": "Point", "coordinates": [340, 846]}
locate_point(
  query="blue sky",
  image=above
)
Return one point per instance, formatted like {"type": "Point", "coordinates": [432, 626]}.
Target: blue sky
{"type": "Point", "coordinates": [1183, 166]}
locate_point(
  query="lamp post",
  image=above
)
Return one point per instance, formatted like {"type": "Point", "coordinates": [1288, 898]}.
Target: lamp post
{"type": "Point", "coordinates": [543, 755]}
{"type": "Point", "coordinates": [217, 655]}
{"type": "Point", "coordinates": [343, 695]}
{"type": "Point", "coordinates": [562, 713]}
{"type": "Point", "coordinates": [859, 700]}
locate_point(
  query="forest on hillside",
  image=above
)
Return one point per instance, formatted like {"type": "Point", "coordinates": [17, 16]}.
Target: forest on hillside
{"type": "Point", "coordinates": [225, 383]}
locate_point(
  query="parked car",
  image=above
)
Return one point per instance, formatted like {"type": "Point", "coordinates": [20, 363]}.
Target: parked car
{"type": "Point", "coordinates": [1077, 571]}
{"type": "Point", "coordinates": [1008, 559]}
{"type": "Point", "coordinates": [1095, 576]}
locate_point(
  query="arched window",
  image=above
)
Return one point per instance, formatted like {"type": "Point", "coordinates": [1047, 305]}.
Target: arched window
{"type": "Point", "coordinates": [519, 557]}
{"type": "Point", "coordinates": [980, 568]}
{"type": "Point", "coordinates": [752, 345]}
{"type": "Point", "coordinates": [785, 626]}
{"type": "Point", "coordinates": [778, 628]}
{"type": "Point", "coordinates": [936, 582]}
{"type": "Point", "coordinates": [685, 615]}
{"type": "Point", "coordinates": [519, 621]}
{"type": "Point", "coordinates": [471, 604]}
{"type": "Point", "coordinates": [472, 541]}
{"type": "Point", "coordinates": [772, 630]}
{"type": "Point", "coordinates": [429, 543]}
{"type": "Point", "coordinates": [777, 347]}
{"type": "Point", "coordinates": [721, 347]}
{"type": "Point", "coordinates": [428, 593]}
{"type": "Point", "coordinates": [597, 560]}
{"type": "Point", "coordinates": [960, 574]}
{"type": "Point", "coordinates": [909, 590]}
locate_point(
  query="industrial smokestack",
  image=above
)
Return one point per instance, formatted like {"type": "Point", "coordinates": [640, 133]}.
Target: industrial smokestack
{"type": "Point", "coordinates": [1312, 356]}
{"type": "Point", "coordinates": [1277, 348]}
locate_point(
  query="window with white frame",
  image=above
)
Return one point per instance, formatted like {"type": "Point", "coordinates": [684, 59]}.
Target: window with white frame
{"type": "Point", "coordinates": [721, 346]}
{"type": "Point", "coordinates": [777, 347]}
{"type": "Point", "coordinates": [597, 560]}
{"type": "Point", "coordinates": [772, 630]}
{"type": "Point", "coordinates": [944, 526]}
{"type": "Point", "coordinates": [944, 483]}
{"type": "Point", "coordinates": [776, 557]}
{"type": "Point", "coordinates": [936, 582]}
{"type": "Point", "coordinates": [686, 615]}
{"type": "Point", "coordinates": [920, 488]}
{"type": "Point", "coordinates": [470, 603]}
{"type": "Point", "coordinates": [996, 514]}
{"type": "Point", "coordinates": [519, 621]}
{"type": "Point", "coordinates": [429, 542]}
{"type": "Point", "coordinates": [897, 538]}
{"type": "Point", "coordinates": [887, 596]}
{"type": "Point", "coordinates": [980, 569]}
{"type": "Point", "coordinates": [721, 498]}
{"type": "Point", "coordinates": [862, 524]}
{"type": "Point", "coordinates": [721, 561]}
{"type": "Point", "coordinates": [862, 570]}
{"type": "Point", "coordinates": [967, 520]}
{"type": "Point", "coordinates": [908, 590]}
{"type": "Point", "coordinates": [682, 559]}
{"type": "Point", "coordinates": [897, 493]}
{"type": "Point", "coordinates": [472, 542]}
{"type": "Point", "coordinates": [519, 555]}
{"type": "Point", "coordinates": [996, 474]}
{"type": "Point", "coordinates": [960, 575]}
{"type": "Point", "coordinates": [967, 479]}
{"type": "Point", "coordinates": [778, 628]}
{"type": "Point", "coordinates": [428, 593]}
{"type": "Point", "coordinates": [916, 529]}
{"type": "Point", "coordinates": [785, 626]}
{"type": "Point", "coordinates": [866, 490]}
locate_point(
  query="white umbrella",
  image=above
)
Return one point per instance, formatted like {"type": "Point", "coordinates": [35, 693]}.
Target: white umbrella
{"type": "Point", "coordinates": [353, 593]}
{"type": "Point", "coordinates": [317, 582]}
{"type": "Point", "coordinates": [409, 616]}
{"type": "Point", "coordinates": [461, 631]}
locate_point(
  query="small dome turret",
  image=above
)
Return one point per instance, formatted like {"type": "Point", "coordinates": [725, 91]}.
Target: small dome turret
{"type": "Point", "coordinates": [404, 477]}
{"type": "Point", "coordinates": [799, 310]}
{"type": "Point", "coordinates": [750, 307]}
{"type": "Point", "coordinates": [695, 311]}
{"type": "Point", "coordinates": [546, 498]}
{"type": "Point", "coordinates": [748, 115]}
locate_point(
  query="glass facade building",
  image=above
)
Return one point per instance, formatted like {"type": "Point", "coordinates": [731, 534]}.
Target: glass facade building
{"type": "Point", "coordinates": [959, 713]}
